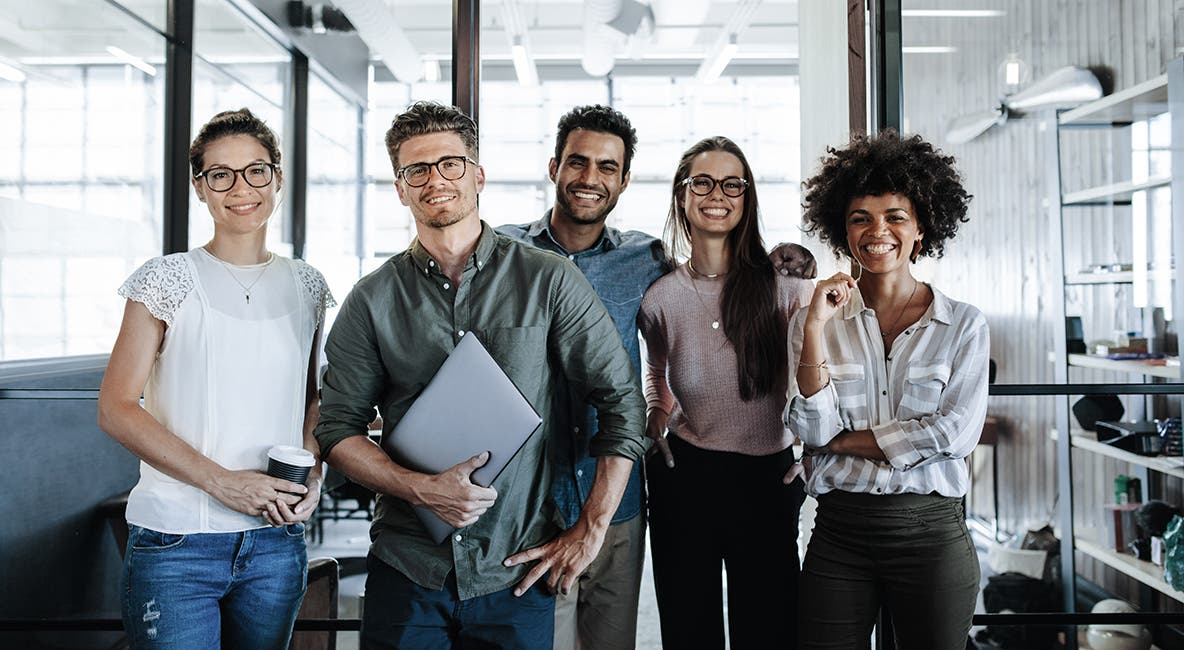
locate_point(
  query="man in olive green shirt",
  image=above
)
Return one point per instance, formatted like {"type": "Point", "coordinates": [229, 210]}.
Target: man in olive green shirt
{"type": "Point", "coordinates": [541, 320]}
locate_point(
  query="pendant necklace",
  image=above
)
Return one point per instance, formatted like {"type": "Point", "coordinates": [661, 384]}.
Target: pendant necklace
{"type": "Point", "coordinates": [886, 332]}
{"type": "Point", "coordinates": [245, 287]}
{"type": "Point", "coordinates": [710, 276]}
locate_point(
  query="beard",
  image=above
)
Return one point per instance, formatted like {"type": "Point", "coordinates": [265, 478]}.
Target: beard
{"type": "Point", "coordinates": [585, 216]}
{"type": "Point", "coordinates": [428, 216]}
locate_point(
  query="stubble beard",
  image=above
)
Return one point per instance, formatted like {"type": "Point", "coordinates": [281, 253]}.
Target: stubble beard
{"type": "Point", "coordinates": [564, 204]}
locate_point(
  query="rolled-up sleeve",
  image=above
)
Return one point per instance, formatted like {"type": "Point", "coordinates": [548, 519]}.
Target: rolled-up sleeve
{"type": "Point", "coordinates": [815, 420]}
{"type": "Point", "coordinates": [355, 377]}
{"type": "Point", "coordinates": [588, 346]}
{"type": "Point", "coordinates": [953, 430]}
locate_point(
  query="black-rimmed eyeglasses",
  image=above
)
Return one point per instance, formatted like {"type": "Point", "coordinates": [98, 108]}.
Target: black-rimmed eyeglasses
{"type": "Point", "coordinates": [221, 179]}
{"type": "Point", "coordinates": [703, 184]}
{"type": "Point", "coordinates": [451, 168]}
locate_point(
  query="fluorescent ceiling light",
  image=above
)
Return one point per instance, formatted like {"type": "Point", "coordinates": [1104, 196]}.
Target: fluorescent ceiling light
{"type": "Point", "coordinates": [712, 67]}
{"type": "Point", "coordinates": [523, 66]}
{"type": "Point", "coordinates": [9, 73]}
{"type": "Point", "coordinates": [132, 60]}
{"type": "Point", "coordinates": [928, 49]}
{"type": "Point", "coordinates": [952, 13]}
{"type": "Point", "coordinates": [431, 70]}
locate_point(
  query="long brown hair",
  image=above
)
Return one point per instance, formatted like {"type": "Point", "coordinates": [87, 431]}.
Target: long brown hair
{"type": "Point", "coordinates": [748, 304]}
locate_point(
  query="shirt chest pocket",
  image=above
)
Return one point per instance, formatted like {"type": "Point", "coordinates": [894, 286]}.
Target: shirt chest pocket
{"type": "Point", "coordinates": [521, 352]}
{"type": "Point", "coordinates": [850, 384]}
{"type": "Point", "coordinates": [923, 388]}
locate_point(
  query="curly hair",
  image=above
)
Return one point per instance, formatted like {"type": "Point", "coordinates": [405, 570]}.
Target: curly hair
{"type": "Point", "coordinates": [602, 119]}
{"type": "Point", "coordinates": [228, 123]}
{"type": "Point", "coordinates": [422, 118]}
{"type": "Point", "coordinates": [882, 164]}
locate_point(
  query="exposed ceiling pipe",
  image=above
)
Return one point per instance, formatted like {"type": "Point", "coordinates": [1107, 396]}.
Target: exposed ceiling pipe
{"type": "Point", "coordinates": [377, 27]}
{"type": "Point", "coordinates": [725, 42]}
{"type": "Point", "coordinates": [600, 40]}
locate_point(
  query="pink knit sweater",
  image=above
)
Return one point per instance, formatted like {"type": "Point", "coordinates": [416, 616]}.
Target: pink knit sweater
{"type": "Point", "coordinates": [691, 367]}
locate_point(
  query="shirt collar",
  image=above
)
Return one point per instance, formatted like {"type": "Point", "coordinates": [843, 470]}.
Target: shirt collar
{"type": "Point", "coordinates": [480, 257]}
{"type": "Point", "coordinates": [609, 239]}
{"type": "Point", "coordinates": [940, 310]}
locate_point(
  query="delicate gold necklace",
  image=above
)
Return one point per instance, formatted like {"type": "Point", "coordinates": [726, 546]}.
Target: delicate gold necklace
{"type": "Point", "coordinates": [714, 323]}
{"type": "Point", "coordinates": [245, 287]}
{"type": "Point", "coordinates": [886, 332]}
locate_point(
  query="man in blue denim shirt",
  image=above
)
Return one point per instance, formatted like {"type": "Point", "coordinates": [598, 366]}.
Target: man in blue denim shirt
{"type": "Point", "coordinates": [593, 150]}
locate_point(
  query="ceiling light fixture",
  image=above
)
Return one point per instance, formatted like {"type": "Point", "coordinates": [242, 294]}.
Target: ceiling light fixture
{"type": "Point", "coordinates": [431, 70]}
{"type": "Point", "coordinates": [952, 13]}
{"type": "Point", "coordinates": [928, 49]}
{"type": "Point", "coordinates": [523, 66]}
{"type": "Point", "coordinates": [132, 60]}
{"type": "Point", "coordinates": [713, 66]}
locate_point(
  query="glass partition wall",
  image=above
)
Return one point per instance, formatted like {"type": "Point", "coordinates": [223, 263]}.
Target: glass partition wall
{"type": "Point", "coordinates": [81, 127]}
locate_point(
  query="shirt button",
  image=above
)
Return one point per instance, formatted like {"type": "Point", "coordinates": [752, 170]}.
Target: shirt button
{"type": "Point", "coordinates": [457, 538]}
{"type": "Point", "coordinates": [431, 263]}
{"type": "Point", "coordinates": [877, 490]}
{"type": "Point", "coordinates": [883, 392]}
{"type": "Point", "coordinates": [447, 286]}
{"type": "Point", "coordinates": [579, 472]}
{"type": "Point", "coordinates": [576, 429]}
{"type": "Point", "coordinates": [460, 333]}
{"type": "Point", "coordinates": [571, 257]}
{"type": "Point", "coordinates": [479, 265]}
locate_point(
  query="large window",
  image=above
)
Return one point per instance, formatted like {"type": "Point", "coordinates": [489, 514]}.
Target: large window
{"type": "Point", "coordinates": [687, 72]}
{"type": "Point", "coordinates": [428, 29]}
{"type": "Point", "coordinates": [81, 128]}
{"type": "Point", "coordinates": [333, 222]}
{"type": "Point", "coordinates": [236, 65]}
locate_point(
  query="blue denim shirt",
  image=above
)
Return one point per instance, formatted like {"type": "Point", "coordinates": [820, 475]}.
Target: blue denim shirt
{"type": "Point", "coordinates": [620, 267]}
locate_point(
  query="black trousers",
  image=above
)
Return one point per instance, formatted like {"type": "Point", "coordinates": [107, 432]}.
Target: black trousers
{"type": "Point", "coordinates": [718, 509]}
{"type": "Point", "coordinates": [910, 553]}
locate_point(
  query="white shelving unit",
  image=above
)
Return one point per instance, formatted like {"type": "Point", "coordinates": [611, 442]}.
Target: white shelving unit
{"type": "Point", "coordinates": [1133, 366]}
{"type": "Point", "coordinates": [1163, 94]}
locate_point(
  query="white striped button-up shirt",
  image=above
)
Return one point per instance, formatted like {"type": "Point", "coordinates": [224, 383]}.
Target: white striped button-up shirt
{"type": "Point", "coordinates": [925, 402]}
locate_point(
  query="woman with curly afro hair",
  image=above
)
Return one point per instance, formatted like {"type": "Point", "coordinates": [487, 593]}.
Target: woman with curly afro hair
{"type": "Point", "coordinates": [888, 391]}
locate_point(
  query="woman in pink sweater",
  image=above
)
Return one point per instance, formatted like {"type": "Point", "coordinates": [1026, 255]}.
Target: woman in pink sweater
{"type": "Point", "coordinates": [715, 332]}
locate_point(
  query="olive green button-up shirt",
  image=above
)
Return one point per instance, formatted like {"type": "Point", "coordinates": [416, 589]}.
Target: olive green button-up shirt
{"type": "Point", "coordinates": [540, 319]}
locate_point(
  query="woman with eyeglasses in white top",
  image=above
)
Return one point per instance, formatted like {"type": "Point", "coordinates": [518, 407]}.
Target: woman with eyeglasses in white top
{"type": "Point", "coordinates": [222, 343]}
{"type": "Point", "coordinates": [889, 394]}
{"type": "Point", "coordinates": [715, 340]}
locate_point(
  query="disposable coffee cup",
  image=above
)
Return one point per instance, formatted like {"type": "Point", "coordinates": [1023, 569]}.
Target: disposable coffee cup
{"type": "Point", "coordinates": [290, 463]}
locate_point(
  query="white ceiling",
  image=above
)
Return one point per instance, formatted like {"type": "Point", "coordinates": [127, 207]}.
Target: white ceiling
{"type": "Point", "coordinates": [684, 29]}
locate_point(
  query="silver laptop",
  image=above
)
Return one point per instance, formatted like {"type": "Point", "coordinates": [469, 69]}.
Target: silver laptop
{"type": "Point", "coordinates": [468, 407]}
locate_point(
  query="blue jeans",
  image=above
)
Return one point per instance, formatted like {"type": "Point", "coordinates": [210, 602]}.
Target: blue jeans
{"type": "Point", "coordinates": [213, 590]}
{"type": "Point", "coordinates": [401, 614]}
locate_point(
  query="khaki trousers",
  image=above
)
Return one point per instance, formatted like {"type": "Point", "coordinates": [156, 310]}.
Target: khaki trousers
{"type": "Point", "coordinates": [600, 611]}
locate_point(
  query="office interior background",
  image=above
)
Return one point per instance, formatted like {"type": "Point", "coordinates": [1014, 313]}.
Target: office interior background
{"type": "Point", "coordinates": [99, 98]}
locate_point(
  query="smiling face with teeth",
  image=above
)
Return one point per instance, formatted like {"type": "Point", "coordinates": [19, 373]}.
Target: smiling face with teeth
{"type": "Point", "coordinates": [589, 177]}
{"type": "Point", "coordinates": [882, 232]}
{"type": "Point", "coordinates": [715, 214]}
{"type": "Point", "coordinates": [440, 203]}
{"type": "Point", "coordinates": [242, 209]}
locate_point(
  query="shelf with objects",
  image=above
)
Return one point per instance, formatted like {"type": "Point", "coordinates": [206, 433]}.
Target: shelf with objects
{"type": "Point", "coordinates": [1117, 205]}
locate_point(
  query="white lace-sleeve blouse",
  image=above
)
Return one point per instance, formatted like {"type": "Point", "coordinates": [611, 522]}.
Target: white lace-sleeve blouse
{"type": "Point", "coordinates": [230, 376]}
